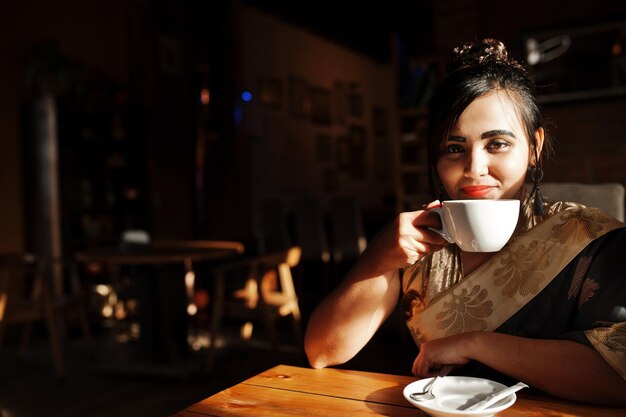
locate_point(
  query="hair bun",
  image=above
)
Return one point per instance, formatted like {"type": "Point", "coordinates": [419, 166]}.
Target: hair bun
{"type": "Point", "coordinates": [484, 52]}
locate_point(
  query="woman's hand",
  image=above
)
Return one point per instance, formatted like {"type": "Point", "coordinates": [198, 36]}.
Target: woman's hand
{"type": "Point", "coordinates": [405, 240]}
{"type": "Point", "coordinates": [563, 368]}
{"type": "Point", "coordinates": [435, 354]}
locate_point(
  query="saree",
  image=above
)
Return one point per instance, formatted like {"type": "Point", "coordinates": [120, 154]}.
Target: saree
{"type": "Point", "coordinates": [559, 277]}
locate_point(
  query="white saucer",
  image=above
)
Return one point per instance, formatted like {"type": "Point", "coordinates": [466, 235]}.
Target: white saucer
{"type": "Point", "coordinates": [453, 394]}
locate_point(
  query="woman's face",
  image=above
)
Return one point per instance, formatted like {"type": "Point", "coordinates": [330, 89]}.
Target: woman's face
{"type": "Point", "coordinates": [487, 153]}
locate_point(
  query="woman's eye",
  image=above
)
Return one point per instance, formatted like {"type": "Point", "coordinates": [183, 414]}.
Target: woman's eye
{"type": "Point", "coordinates": [498, 145]}
{"type": "Point", "coordinates": [454, 148]}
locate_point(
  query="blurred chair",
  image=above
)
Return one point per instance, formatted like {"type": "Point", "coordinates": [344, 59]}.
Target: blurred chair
{"type": "Point", "coordinates": [346, 232]}
{"type": "Point", "coordinates": [25, 297]}
{"type": "Point", "coordinates": [609, 197]}
{"type": "Point", "coordinates": [267, 294]}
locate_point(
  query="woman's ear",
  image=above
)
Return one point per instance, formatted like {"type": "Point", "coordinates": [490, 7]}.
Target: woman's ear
{"type": "Point", "coordinates": [535, 151]}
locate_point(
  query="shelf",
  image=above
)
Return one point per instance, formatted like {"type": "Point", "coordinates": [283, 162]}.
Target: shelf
{"type": "Point", "coordinates": [574, 96]}
{"type": "Point", "coordinates": [414, 169]}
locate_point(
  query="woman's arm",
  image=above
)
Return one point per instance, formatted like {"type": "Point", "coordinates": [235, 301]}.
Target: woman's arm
{"type": "Point", "coordinates": [563, 368]}
{"type": "Point", "coordinates": [345, 321]}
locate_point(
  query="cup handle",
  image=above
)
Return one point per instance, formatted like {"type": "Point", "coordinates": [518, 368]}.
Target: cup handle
{"type": "Point", "coordinates": [443, 232]}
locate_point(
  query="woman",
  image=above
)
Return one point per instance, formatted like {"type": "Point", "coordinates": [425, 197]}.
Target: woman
{"type": "Point", "coordinates": [548, 309]}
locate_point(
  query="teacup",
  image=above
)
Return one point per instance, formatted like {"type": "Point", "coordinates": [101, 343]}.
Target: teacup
{"type": "Point", "coordinates": [478, 225]}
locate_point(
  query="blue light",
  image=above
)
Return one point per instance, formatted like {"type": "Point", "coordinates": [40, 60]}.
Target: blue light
{"type": "Point", "coordinates": [246, 96]}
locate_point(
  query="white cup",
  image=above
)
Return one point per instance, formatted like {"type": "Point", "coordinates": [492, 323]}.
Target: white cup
{"type": "Point", "coordinates": [478, 225]}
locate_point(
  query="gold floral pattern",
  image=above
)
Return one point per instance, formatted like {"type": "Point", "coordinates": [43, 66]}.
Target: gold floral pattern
{"type": "Point", "coordinates": [613, 337]}
{"type": "Point", "coordinates": [589, 288]}
{"type": "Point", "coordinates": [445, 302]}
{"type": "Point", "coordinates": [579, 275]}
{"type": "Point", "coordinates": [579, 225]}
{"type": "Point", "coordinates": [466, 311]}
{"type": "Point", "coordinates": [522, 270]}
{"type": "Point", "coordinates": [417, 335]}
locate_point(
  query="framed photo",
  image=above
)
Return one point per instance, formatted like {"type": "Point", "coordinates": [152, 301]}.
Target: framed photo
{"type": "Point", "coordinates": [299, 100]}
{"type": "Point", "coordinates": [320, 105]}
{"type": "Point", "coordinates": [382, 161]}
{"type": "Point", "coordinates": [343, 153]}
{"type": "Point", "coordinates": [270, 92]}
{"type": "Point", "coordinates": [323, 146]}
{"type": "Point", "coordinates": [330, 180]}
{"type": "Point", "coordinates": [170, 55]}
{"type": "Point", "coordinates": [355, 103]}
{"type": "Point", "coordinates": [340, 90]}
{"type": "Point", "coordinates": [380, 122]}
{"type": "Point", "coordinates": [358, 147]}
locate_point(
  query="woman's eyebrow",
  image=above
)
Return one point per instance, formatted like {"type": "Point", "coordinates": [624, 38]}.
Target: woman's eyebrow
{"type": "Point", "coordinates": [497, 132]}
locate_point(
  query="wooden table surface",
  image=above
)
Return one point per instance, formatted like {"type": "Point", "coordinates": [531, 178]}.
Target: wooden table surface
{"type": "Point", "coordinates": [293, 391]}
{"type": "Point", "coordinates": [151, 255]}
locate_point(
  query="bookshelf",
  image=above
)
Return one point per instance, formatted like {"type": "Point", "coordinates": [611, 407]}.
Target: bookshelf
{"type": "Point", "coordinates": [102, 168]}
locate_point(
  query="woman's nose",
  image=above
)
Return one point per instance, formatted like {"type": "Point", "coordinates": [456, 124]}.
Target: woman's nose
{"type": "Point", "coordinates": [477, 165]}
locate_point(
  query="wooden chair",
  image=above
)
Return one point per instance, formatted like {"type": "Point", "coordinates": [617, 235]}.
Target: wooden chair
{"type": "Point", "coordinates": [268, 294]}
{"type": "Point", "coordinates": [25, 297]}
{"type": "Point", "coordinates": [609, 197]}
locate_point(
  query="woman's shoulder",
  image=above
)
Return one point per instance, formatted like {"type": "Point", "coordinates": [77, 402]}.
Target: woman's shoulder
{"type": "Point", "coordinates": [552, 207]}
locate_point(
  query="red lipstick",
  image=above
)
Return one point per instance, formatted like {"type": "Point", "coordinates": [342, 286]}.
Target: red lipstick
{"type": "Point", "coordinates": [477, 191]}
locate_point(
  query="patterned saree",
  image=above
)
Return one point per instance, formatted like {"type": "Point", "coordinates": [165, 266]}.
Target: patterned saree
{"type": "Point", "coordinates": [560, 277]}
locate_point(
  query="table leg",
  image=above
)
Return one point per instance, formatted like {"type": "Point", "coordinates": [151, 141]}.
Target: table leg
{"type": "Point", "coordinates": [216, 317]}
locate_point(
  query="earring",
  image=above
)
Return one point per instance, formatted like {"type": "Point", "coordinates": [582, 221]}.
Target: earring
{"type": "Point", "coordinates": [536, 175]}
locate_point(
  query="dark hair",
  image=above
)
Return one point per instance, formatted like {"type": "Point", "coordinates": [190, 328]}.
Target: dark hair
{"type": "Point", "coordinates": [476, 69]}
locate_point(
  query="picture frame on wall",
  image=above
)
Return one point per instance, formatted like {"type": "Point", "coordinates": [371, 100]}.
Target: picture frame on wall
{"type": "Point", "coordinates": [270, 92]}
{"type": "Point", "coordinates": [355, 103]}
{"type": "Point", "coordinates": [323, 147]}
{"type": "Point", "coordinates": [382, 160]}
{"type": "Point", "coordinates": [330, 180]}
{"type": "Point", "coordinates": [358, 147]}
{"type": "Point", "coordinates": [340, 90]}
{"type": "Point", "coordinates": [299, 98]}
{"type": "Point", "coordinates": [343, 153]}
{"type": "Point", "coordinates": [380, 122]}
{"type": "Point", "coordinates": [320, 105]}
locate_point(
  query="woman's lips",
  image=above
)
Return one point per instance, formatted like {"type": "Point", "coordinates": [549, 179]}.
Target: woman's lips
{"type": "Point", "coordinates": [476, 191]}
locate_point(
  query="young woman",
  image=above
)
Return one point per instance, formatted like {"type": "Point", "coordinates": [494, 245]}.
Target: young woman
{"type": "Point", "coordinates": [549, 309]}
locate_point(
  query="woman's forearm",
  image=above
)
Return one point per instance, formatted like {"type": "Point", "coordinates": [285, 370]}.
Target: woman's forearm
{"type": "Point", "coordinates": [560, 367]}
{"type": "Point", "coordinates": [345, 321]}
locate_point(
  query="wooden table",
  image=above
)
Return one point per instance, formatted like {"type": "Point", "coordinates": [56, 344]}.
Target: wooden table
{"type": "Point", "coordinates": [149, 255]}
{"type": "Point", "coordinates": [292, 391]}
{"type": "Point", "coordinates": [164, 324]}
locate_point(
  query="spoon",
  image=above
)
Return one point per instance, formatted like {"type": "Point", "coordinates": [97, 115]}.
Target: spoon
{"type": "Point", "coordinates": [496, 396]}
{"type": "Point", "coordinates": [427, 394]}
